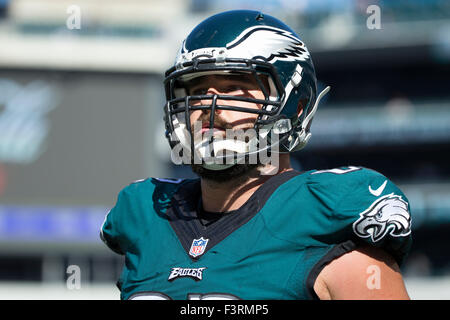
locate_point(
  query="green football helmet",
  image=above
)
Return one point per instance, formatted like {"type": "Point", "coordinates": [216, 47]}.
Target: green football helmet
{"type": "Point", "coordinates": [255, 44]}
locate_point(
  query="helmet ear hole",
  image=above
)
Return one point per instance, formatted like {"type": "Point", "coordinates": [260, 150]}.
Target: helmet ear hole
{"type": "Point", "coordinates": [302, 103]}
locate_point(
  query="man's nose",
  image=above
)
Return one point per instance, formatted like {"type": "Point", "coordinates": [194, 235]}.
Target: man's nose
{"type": "Point", "coordinates": [209, 102]}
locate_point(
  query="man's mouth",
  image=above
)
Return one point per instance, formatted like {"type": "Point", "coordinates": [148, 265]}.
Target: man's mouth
{"type": "Point", "coordinates": [216, 128]}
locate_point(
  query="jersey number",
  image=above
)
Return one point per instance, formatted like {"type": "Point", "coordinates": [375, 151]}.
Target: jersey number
{"type": "Point", "coordinates": [154, 295]}
{"type": "Point", "coordinates": [338, 170]}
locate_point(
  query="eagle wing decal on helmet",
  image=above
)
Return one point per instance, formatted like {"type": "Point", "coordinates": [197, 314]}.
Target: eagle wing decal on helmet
{"type": "Point", "coordinates": [269, 43]}
{"type": "Point", "coordinates": [387, 215]}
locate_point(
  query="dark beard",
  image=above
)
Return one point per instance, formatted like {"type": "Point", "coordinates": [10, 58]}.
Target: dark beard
{"type": "Point", "coordinates": [238, 170]}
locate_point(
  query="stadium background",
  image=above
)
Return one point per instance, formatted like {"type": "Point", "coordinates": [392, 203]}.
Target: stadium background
{"type": "Point", "coordinates": [81, 117]}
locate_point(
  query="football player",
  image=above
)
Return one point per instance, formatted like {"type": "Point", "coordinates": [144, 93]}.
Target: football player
{"type": "Point", "coordinates": [240, 98]}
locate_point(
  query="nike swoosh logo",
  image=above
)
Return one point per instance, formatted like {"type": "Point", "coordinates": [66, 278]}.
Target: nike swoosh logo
{"type": "Point", "coordinates": [378, 191]}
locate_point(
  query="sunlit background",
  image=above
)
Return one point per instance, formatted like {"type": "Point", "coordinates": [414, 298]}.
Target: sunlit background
{"type": "Point", "coordinates": [81, 118]}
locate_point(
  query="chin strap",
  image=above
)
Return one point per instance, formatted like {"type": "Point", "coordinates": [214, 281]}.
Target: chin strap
{"type": "Point", "coordinates": [304, 135]}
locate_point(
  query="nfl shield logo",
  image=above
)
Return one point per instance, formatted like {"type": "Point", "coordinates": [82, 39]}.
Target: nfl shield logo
{"type": "Point", "coordinates": [198, 247]}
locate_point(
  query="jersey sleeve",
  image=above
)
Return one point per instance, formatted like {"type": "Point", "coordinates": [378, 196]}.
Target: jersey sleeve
{"type": "Point", "coordinates": [110, 232]}
{"type": "Point", "coordinates": [130, 218]}
{"type": "Point", "coordinates": [368, 208]}
{"type": "Point", "coordinates": [133, 215]}
{"type": "Point", "coordinates": [379, 214]}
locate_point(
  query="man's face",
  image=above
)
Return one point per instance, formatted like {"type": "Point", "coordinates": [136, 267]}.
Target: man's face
{"type": "Point", "coordinates": [225, 121]}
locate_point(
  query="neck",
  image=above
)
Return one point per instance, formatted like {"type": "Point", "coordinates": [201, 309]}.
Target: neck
{"type": "Point", "coordinates": [232, 194]}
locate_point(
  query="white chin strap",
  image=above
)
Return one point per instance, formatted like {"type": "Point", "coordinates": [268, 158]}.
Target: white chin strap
{"type": "Point", "coordinates": [304, 136]}
{"type": "Point", "coordinates": [220, 147]}
{"type": "Point", "coordinates": [215, 154]}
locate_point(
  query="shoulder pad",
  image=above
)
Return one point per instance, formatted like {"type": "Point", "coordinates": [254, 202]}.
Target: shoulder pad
{"type": "Point", "coordinates": [365, 206]}
{"type": "Point", "coordinates": [131, 216]}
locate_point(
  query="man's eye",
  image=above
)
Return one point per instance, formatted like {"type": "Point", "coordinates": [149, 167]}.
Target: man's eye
{"type": "Point", "coordinates": [199, 91]}
{"type": "Point", "coordinates": [233, 88]}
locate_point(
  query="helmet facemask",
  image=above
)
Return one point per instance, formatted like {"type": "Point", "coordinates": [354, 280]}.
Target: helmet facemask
{"type": "Point", "coordinates": [238, 146]}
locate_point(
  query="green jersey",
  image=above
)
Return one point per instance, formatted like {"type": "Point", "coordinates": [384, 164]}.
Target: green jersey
{"type": "Point", "coordinates": [272, 247]}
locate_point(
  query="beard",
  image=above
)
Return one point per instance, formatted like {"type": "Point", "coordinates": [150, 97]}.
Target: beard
{"type": "Point", "coordinates": [241, 171]}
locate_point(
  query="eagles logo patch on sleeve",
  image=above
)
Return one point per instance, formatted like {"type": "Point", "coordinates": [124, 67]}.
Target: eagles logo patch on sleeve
{"type": "Point", "coordinates": [387, 215]}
